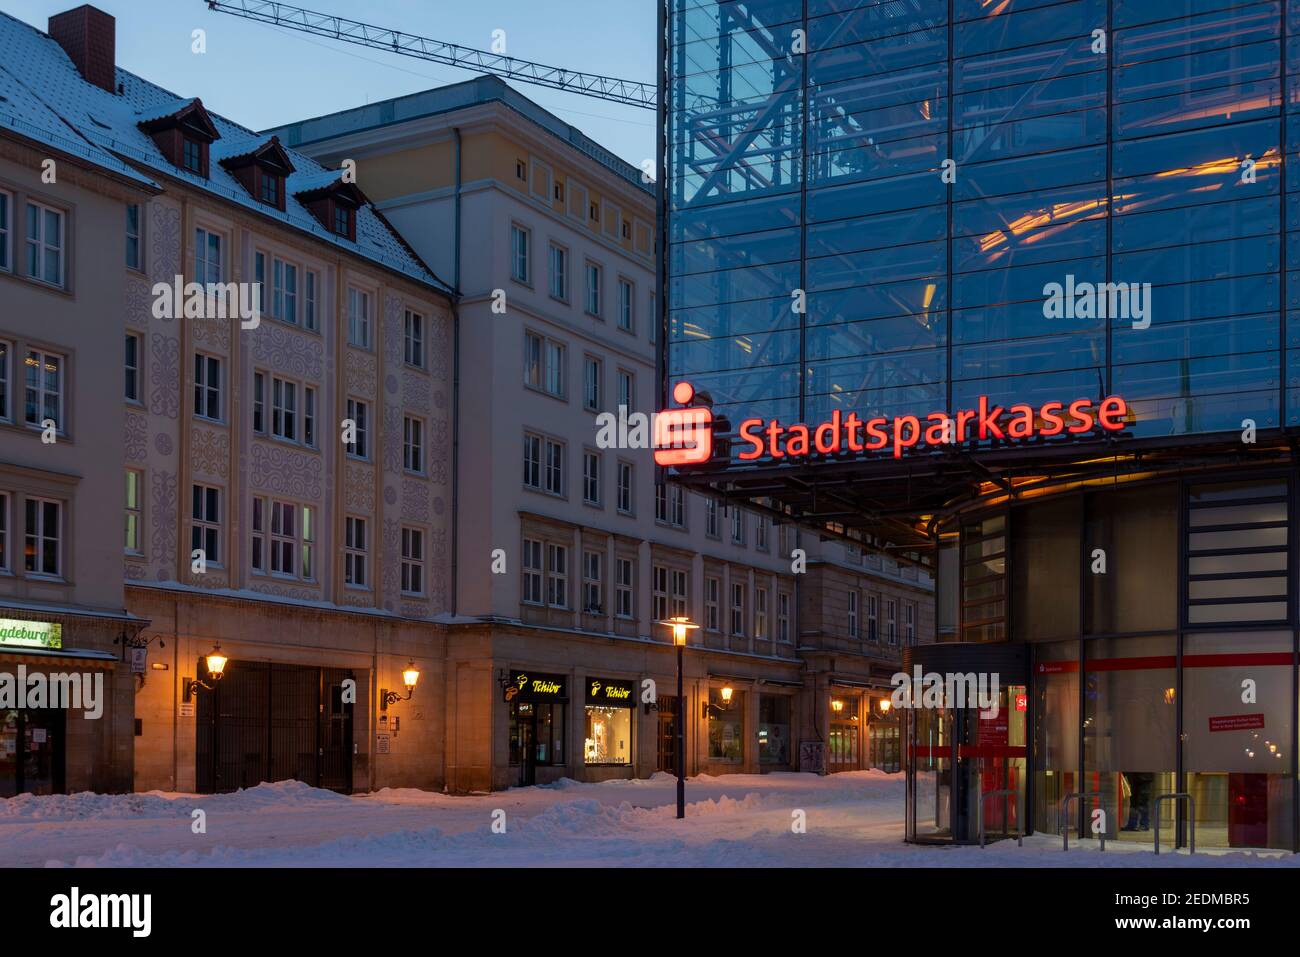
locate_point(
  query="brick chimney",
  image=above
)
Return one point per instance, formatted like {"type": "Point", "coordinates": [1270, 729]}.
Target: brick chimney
{"type": "Point", "coordinates": [89, 37]}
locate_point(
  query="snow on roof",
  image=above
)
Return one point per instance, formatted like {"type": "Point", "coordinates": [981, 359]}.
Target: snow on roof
{"type": "Point", "coordinates": [24, 113]}
{"type": "Point", "coordinates": [44, 77]}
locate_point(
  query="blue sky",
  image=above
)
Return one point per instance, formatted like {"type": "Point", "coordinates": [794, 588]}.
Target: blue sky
{"type": "Point", "coordinates": [263, 76]}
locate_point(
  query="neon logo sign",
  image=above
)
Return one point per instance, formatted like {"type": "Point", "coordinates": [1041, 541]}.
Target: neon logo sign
{"type": "Point", "coordinates": [684, 436]}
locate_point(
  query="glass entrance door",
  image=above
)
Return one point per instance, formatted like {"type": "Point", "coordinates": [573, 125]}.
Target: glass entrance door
{"type": "Point", "coordinates": [31, 752]}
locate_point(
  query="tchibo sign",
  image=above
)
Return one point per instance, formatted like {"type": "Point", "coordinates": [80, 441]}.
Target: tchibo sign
{"type": "Point", "coordinates": [31, 634]}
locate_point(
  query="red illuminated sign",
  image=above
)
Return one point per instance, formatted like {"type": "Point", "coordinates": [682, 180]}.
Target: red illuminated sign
{"type": "Point", "coordinates": [850, 433]}
{"type": "Point", "coordinates": [683, 436]}
{"type": "Point", "coordinates": [1236, 722]}
{"type": "Point", "coordinates": [1022, 702]}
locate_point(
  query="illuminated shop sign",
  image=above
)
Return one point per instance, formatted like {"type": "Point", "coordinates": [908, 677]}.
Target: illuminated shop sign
{"type": "Point", "coordinates": [611, 693]}
{"type": "Point", "coordinates": [535, 687]}
{"type": "Point", "coordinates": [31, 634]}
{"type": "Point", "coordinates": [684, 436]}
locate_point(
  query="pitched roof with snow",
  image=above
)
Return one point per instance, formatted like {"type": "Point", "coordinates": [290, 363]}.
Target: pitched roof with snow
{"type": "Point", "coordinates": [47, 99]}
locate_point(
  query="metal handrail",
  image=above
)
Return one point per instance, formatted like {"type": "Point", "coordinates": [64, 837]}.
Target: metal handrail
{"type": "Point", "coordinates": [1065, 822]}
{"type": "Point", "coordinates": [1191, 817]}
{"type": "Point", "coordinates": [1020, 813]}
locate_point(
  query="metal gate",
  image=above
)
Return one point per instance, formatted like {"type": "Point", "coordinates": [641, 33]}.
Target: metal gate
{"type": "Point", "coordinates": [273, 722]}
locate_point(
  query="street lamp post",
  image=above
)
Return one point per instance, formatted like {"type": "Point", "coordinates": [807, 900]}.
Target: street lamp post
{"type": "Point", "coordinates": [680, 627]}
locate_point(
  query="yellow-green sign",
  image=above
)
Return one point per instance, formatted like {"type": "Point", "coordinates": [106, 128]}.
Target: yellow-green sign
{"type": "Point", "coordinates": [31, 634]}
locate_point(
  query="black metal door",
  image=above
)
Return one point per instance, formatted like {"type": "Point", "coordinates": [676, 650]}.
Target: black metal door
{"type": "Point", "coordinates": [273, 722]}
{"type": "Point", "coordinates": [667, 740]}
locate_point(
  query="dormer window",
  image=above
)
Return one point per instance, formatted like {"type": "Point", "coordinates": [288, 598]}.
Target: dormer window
{"type": "Point", "coordinates": [183, 133]}
{"type": "Point", "coordinates": [343, 219]}
{"type": "Point", "coordinates": [194, 159]}
{"type": "Point", "coordinates": [261, 165]}
{"type": "Point", "coordinates": [333, 202]}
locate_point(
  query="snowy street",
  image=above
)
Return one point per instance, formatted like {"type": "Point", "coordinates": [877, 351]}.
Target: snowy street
{"type": "Point", "coordinates": [852, 820]}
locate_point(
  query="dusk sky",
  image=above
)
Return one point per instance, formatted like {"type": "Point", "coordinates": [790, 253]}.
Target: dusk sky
{"type": "Point", "coordinates": [263, 76]}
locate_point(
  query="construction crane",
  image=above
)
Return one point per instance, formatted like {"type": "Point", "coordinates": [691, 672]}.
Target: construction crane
{"type": "Point", "coordinates": [630, 92]}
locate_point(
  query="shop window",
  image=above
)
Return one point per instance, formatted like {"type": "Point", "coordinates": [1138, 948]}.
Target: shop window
{"type": "Point", "coordinates": [1238, 756]}
{"type": "Point", "coordinates": [726, 725]}
{"type": "Point", "coordinates": [608, 737]}
{"type": "Point", "coordinates": [1237, 553]}
{"type": "Point", "coordinates": [843, 745]}
{"type": "Point", "coordinates": [773, 729]}
{"type": "Point", "coordinates": [1130, 729]}
{"type": "Point", "coordinates": [1056, 730]}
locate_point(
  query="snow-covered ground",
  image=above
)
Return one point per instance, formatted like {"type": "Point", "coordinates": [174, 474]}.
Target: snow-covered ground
{"type": "Point", "coordinates": [852, 820]}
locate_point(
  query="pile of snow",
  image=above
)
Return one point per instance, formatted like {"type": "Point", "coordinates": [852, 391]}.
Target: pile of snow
{"type": "Point", "coordinates": [88, 806]}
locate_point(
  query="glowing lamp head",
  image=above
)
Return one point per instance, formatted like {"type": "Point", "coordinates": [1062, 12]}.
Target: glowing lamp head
{"type": "Point", "coordinates": [216, 663]}
{"type": "Point", "coordinates": [410, 676]}
{"type": "Point", "coordinates": [683, 392]}
{"type": "Point", "coordinates": [726, 692]}
{"type": "Point", "coordinates": [885, 705]}
{"type": "Point", "coordinates": [680, 626]}
{"type": "Point", "coordinates": [837, 705]}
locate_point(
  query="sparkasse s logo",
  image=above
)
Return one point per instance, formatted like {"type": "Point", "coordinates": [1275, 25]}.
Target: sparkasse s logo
{"type": "Point", "coordinates": [683, 436]}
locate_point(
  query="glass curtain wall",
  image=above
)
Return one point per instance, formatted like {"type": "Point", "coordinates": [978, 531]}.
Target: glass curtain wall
{"type": "Point", "coordinates": [812, 227]}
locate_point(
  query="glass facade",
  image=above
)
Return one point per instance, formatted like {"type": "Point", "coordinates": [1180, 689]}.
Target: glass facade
{"type": "Point", "coordinates": [868, 203]}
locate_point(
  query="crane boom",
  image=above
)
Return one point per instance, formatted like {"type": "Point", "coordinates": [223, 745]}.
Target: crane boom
{"type": "Point", "coordinates": [630, 92]}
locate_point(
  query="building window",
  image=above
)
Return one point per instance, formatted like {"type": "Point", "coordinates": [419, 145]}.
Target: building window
{"type": "Point", "coordinates": [207, 258]}
{"type": "Point", "coordinates": [553, 474]}
{"type": "Point", "coordinates": [670, 505]}
{"type": "Point", "coordinates": [659, 574]}
{"type": "Point", "coordinates": [192, 155]}
{"type": "Point", "coordinates": [557, 575]}
{"type": "Point", "coordinates": [591, 583]}
{"type": "Point", "coordinates": [284, 303]}
{"type": "Point", "coordinates": [543, 464]}
{"type": "Point", "coordinates": [872, 615]}
{"type": "Point", "coordinates": [532, 571]}
{"type": "Point", "coordinates": [44, 536]}
{"type": "Point", "coordinates": [711, 518]}
{"type": "Point", "coordinates": [259, 403]}
{"type": "Point", "coordinates": [591, 477]}
{"type": "Point", "coordinates": [626, 315]}
{"type": "Point", "coordinates": [288, 539]}
{"type": "Point", "coordinates": [626, 391]}
{"type": "Point", "coordinates": [712, 603]}
{"type": "Point", "coordinates": [760, 613]}
{"type": "Point", "coordinates": [309, 416]}
{"type": "Point", "coordinates": [359, 413]}
{"type": "Point", "coordinates": [627, 229]}
{"type": "Point", "coordinates": [354, 552]}
{"type": "Point", "coordinates": [593, 212]}
{"type": "Point", "coordinates": [412, 444]}
{"type": "Point", "coordinates": [309, 301]}
{"type": "Point", "coordinates": [131, 387]}
{"type": "Point", "coordinates": [207, 387]}
{"type": "Point", "coordinates": [591, 376]}
{"type": "Point", "coordinates": [133, 248]}
{"type": "Point", "coordinates": [853, 614]}
{"type": "Point", "coordinates": [625, 487]}
{"type": "Point", "coordinates": [761, 537]}
{"type": "Point", "coordinates": [6, 232]}
{"type": "Point", "coordinates": [521, 170]}
{"type": "Point", "coordinates": [544, 364]}
{"type": "Point", "coordinates": [284, 409]}
{"type": "Point", "coordinates": [738, 608]}
{"type": "Point", "coordinates": [413, 339]}
{"type": "Point", "coordinates": [558, 192]}
{"type": "Point", "coordinates": [623, 588]}
{"type": "Point", "coordinates": [412, 561]}
{"type": "Point", "coordinates": [44, 390]}
{"type": "Point", "coordinates": [205, 527]}
{"type": "Point", "coordinates": [909, 623]}
{"type": "Point", "coordinates": [737, 526]}
{"type": "Point", "coordinates": [533, 462]}
{"type": "Point", "coordinates": [134, 511]}
{"type": "Point", "coordinates": [783, 617]}
{"type": "Point", "coordinates": [519, 267]}
{"type": "Point", "coordinates": [594, 281]}
{"type": "Point", "coordinates": [891, 621]}
{"type": "Point", "coordinates": [559, 272]}
{"type": "Point", "coordinates": [45, 241]}
{"type": "Point", "coordinates": [344, 218]}
{"type": "Point", "coordinates": [679, 593]}
{"type": "Point", "coordinates": [359, 318]}
{"type": "Point", "coordinates": [4, 531]}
